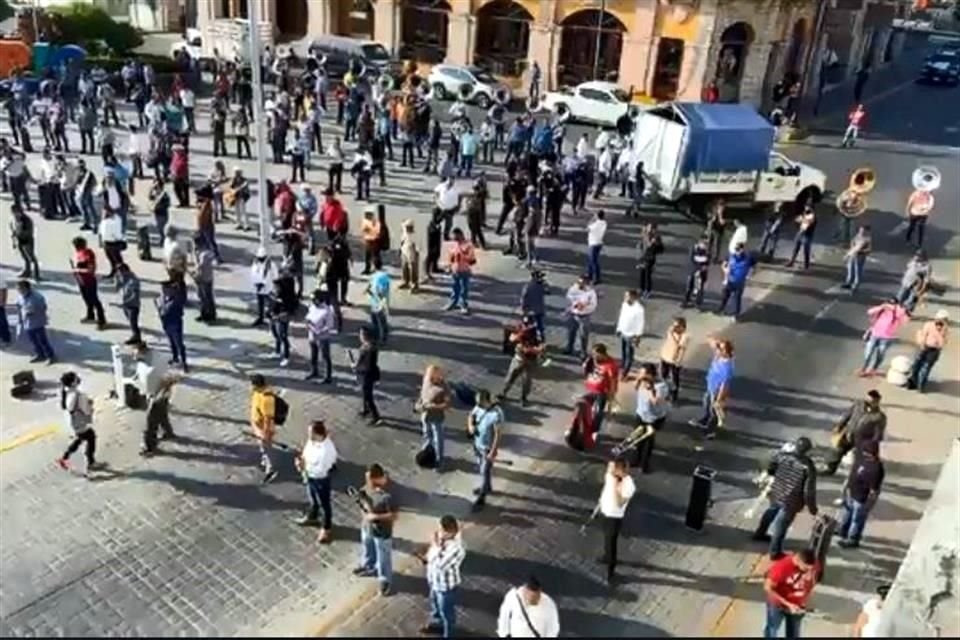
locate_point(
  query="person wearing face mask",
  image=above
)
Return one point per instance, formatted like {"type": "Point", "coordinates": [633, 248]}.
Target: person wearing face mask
{"type": "Point", "coordinates": [78, 414]}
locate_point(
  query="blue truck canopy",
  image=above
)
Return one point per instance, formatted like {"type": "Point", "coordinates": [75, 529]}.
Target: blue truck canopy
{"type": "Point", "coordinates": [724, 137]}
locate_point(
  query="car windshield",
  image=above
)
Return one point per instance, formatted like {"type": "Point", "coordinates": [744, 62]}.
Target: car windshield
{"type": "Point", "coordinates": [375, 52]}
{"type": "Point", "coordinates": [621, 95]}
{"type": "Point", "coordinates": [482, 75]}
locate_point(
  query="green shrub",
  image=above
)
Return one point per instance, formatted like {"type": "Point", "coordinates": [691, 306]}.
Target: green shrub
{"type": "Point", "coordinates": [88, 26]}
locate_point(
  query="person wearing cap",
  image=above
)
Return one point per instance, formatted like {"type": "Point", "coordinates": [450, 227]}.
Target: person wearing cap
{"type": "Point", "coordinates": [528, 612]}
{"type": "Point", "coordinates": [533, 301]}
{"type": "Point", "coordinates": [860, 493]}
{"type": "Point", "coordinates": [793, 488]}
{"type": "Point", "coordinates": [931, 339]}
{"type": "Point", "coordinates": [409, 258]}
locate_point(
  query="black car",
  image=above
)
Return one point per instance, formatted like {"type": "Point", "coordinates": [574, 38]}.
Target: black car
{"type": "Point", "coordinates": [943, 67]}
{"type": "Point", "coordinates": [341, 52]}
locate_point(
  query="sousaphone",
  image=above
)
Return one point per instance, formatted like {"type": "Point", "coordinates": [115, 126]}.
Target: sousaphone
{"type": "Point", "coordinates": [925, 180]}
{"type": "Point", "coordinates": [853, 201]}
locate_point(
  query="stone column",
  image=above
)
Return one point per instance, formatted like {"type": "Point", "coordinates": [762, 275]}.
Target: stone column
{"type": "Point", "coordinates": [638, 56]}
{"type": "Point", "coordinates": [319, 18]}
{"type": "Point", "coordinates": [386, 24]}
{"type": "Point", "coordinates": [700, 56]}
{"type": "Point", "coordinates": [268, 12]}
{"type": "Point", "coordinates": [758, 57]}
{"type": "Point", "coordinates": [461, 33]}
{"type": "Point", "coordinates": [544, 48]}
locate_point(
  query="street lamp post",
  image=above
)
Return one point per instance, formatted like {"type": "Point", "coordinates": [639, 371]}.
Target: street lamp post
{"type": "Point", "coordinates": [596, 54]}
{"type": "Point", "coordinates": [259, 119]}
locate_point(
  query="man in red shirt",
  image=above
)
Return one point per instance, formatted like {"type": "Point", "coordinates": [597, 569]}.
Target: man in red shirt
{"type": "Point", "coordinates": [788, 586]}
{"type": "Point", "coordinates": [85, 271]}
{"type": "Point", "coordinates": [601, 383]}
{"type": "Point", "coordinates": [333, 217]}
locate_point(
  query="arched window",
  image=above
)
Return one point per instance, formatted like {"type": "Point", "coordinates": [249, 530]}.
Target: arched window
{"type": "Point", "coordinates": [423, 35]}
{"type": "Point", "coordinates": [503, 37]}
{"type": "Point", "coordinates": [666, 76]}
{"type": "Point", "coordinates": [292, 19]}
{"type": "Point", "coordinates": [355, 18]}
{"type": "Point", "coordinates": [734, 46]}
{"type": "Point", "coordinates": [590, 46]}
{"type": "Point", "coordinates": [798, 37]}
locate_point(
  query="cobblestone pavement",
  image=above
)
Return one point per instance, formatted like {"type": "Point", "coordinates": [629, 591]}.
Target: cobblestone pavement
{"type": "Point", "coordinates": [189, 543]}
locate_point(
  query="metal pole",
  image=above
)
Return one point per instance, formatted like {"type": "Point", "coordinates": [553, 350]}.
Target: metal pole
{"type": "Point", "coordinates": [596, 54]}
{"type": "Point", "coordinates": [259, 118]}
{"type": "Point", "coordinates": [36, 28]}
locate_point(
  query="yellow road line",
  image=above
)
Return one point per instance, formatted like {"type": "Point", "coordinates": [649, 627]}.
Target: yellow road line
{"type": "Point", "coordinates": [720, 626]}
{"type": "Point", "coordinates": [29, 436]}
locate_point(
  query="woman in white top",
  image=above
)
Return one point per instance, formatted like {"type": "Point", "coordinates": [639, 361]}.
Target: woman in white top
{"type": "Point", "coordinates": [316, 460]}
{"type": "Point", "coordinates": [78, 415]}
{"type": "Point", "coordinates": [112, 239]}
{"type": "Point", "coordinates": [527, 612]}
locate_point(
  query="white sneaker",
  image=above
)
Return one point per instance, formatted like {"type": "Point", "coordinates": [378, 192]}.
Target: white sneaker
{"type": "Point", "coordinates": [284, 362]}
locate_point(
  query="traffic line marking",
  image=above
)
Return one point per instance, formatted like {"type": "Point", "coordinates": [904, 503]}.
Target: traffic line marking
{"type": "Point", "coordinates": [28, 437]}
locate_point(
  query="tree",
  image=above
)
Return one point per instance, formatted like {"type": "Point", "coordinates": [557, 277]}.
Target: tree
{"type": "Point", "coordinates": [86, 25]}
{"type": "Point", "coordinates": [6, 11]}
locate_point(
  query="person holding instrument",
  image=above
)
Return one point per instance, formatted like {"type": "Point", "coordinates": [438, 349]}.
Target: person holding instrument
{"type": "Point", "coordinates": [376, 531]}
{"type": "Point", "coordinates": [653, 403]}
{"type": "Point", "coordinates": [618, 488]}
{"type": "Point", "coordinates": [527, 351]}
{"type": "Point", "coordinates": [788, 586]}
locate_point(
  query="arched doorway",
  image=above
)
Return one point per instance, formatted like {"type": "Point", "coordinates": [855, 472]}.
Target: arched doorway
{"type": "Point", "coordinates": [503, 37]}
{"type": "Point", "coordinates": [292, 19]}
{"type": "Point", "coordinates": [423, 35]}
{"type": "Point", "coordinates": [734, 47]}
{"type": "Point", "coordinates": [354, 18]}
{"type": "Point", "coordinates": [590, 46]}
{"type": "Point", "coordinates": [798, 39]}
{"type": "Point", "coordinates": [666, 75]}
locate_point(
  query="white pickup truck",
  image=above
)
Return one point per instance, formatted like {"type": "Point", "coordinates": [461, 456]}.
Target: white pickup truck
{"type": "Point", "coordinates": [597, 102]}
{"type": "Point", "coordinates": [693, 153]}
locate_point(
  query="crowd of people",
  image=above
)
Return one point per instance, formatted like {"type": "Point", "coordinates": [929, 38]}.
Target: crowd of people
{"type": "Point", "coordinates": [318, 241]}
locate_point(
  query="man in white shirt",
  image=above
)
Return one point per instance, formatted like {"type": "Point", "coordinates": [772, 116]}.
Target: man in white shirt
{"type": "Point", "coordinates": [604, 171]}
{"type": "Point", "coordinates": [583, 147]}
{"type": "Point", "coordinates": [315, 462]}
{"type": "Point", "coordinates": [447, 199]}
{"type": "Point", "coordinates": [739, 236]}
{"type": "Point", "coordinates": [155, 383]}
{"type": "Point", "coordinates": [630, 326]}
{"type": "Point", "coordinates": [596, 230]}
{"type": "Point", "coordinates": [618, 488]}
{"type": "Point", "coordinates": [189, 102]}
{"type": "Point", "coordinates": [581, 303]}
{"type": "Point", "coordinates": [527, 612]}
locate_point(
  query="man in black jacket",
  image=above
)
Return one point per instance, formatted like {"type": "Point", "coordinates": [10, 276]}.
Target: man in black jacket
{"type": "Point", "coordinates": [794, 488]}
{"type": "Point", "coordinates": [367, 370]}
{"type": "Point", "coordinates": [863, 422]}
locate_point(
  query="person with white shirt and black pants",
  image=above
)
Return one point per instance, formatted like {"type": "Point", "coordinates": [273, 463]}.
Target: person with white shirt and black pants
{"type": "Point", "coordinates": [618, 488]}
{"type": "Point", "coordinates": [448, 201]}
{"type": "Point", "coordinates": [443, 559]}
{"type": "Point", "coordinates": [596, 230]}
{"type": "Point", "coordinates": [316, 462]}
{"type": "Point", "coordinates": [112, 239]}
{"type": "Point", "coordinates": [527, 612]}
{"type": "Point", "coordinates": [630, 325]}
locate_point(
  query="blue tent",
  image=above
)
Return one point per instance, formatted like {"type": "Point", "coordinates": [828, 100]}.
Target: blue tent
{"type": "Point", "coordinates": [67, 53]}
{"type": "Point", "coordinates": [724, 137]}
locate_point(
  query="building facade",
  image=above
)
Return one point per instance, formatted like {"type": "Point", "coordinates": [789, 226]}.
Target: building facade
{"type": "Point", "coordinates": [667, 49]}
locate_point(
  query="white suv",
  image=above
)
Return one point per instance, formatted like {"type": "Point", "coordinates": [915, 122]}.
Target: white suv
{"type": "Point", "coordinates": [447, 81]}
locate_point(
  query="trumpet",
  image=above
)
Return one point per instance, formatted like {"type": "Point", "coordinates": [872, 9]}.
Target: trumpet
{"type": "Point", "coordinates": [637, 436]}
{"type": "Point", "coordinates": [361, 497]}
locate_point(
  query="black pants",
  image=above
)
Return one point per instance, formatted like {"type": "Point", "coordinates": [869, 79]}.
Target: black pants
{"type": "Point", "coordinates": [297, 167]}
{"type": "Point", "coordinates": [476, 236]}
{"type": "Point", "coordinates": [158, 419]}
{"type": "Point", "coordinates": [646, 446]}
{"type": "Point", "coordinates": [431, 263]}
{"type": "Point", "coordinates": [181, 188]}
{"type": "Point", "coordinates": [363, 186]}
{"type": "Point", "coordinates": [133, 317]}
{"type": "Point", "coordinates": [671, 373]}
{"type": "Point", "coordinates": [90, 438]}
{"type": "Point", "coordinates": [261, 306]}
{"type": "Point", "coordinates": [31, 267]}
{"type": "Point", "coordinates": [406, 155]}
{"type": "Point", "coordinates": [611, 532]}
{"type": "Point", "coordinates": [243, 144]}
{"type": "Point", "coordinates": [918, 224]}
{"type": "Point", "coordinates": [335, 177]}
{"type": "Point", "coordinates": [504, 213]}
{"type": "Point", "coordinates": [697, 275]}
{"type": "Point", "coordinates": [87, 144]}
{"type": "Point", "coordinates": [836, 456]}
{"type": "Point", "coordinates": [646, 278]}
{"type": "Point", "coordinates": [219, 144]}
{"type": "Point", "coordinates": [369, 404]}
{"type": "Point", "coordinates": [316, 351]}
{"type": "Point", "coordinates": [371, 257]}
{"type": "Point", "coordinates": [114, 256]}
{"type": "Point", "coordinates": [208, 305]}
{"type": "Point", "coordinates": [92, 300]}
{"type": "Point", "coordinates": [715, 242]}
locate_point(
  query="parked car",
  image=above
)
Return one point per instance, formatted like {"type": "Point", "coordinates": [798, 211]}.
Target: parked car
{"type": "Point", "coordinates": [599, 102]}
{"type": "Point", "coordinates": [943, 67]}
{"type": "Point", "coordinates": [193, 45]}
{"type": "Point", "coordinates": [340, 51]}
{"type": "Point", "coordinates": [477, 85]}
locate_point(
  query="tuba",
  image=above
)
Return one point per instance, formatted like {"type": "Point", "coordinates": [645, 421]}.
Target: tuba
{"type": "Point", "coordinates": [385, 82]}
{"type": "Point", "coordinates": [926, 180]}
{"type": "Point", "coordinates": [853, 201]}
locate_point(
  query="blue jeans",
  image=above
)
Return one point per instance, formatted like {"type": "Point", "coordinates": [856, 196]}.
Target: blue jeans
{"type": "Point", "coordinates": [460, 290]}
{"type": "Point", "coordinates": [804, 242]}
{"type": "Point", "coordinates": [485, 467]}
{"type": "Point", "coordinates": [922, 365]}
{"type": "Point", "coordinates": [466, 165]}
{"type": "Point", "coordinates": [443, 610]}
{"type": "Point", "coordinates": [318, 492]}
{"type": "Point", "coordinates": [578, 326]}
{"type": "Point", "coordinates": [777, 617]}
{"type": "Point", "coordinates": [377, 553]}
{"type": "Point", "coordinates": [907, 296]}
{"type": "Point", "coordinates": [281, 338]}
{"type": "Point", "coordinates": [540, 323]}
{"type": "Point", "coordinates": [709, 419]}
{"type": "Point", "coordinates": [854, 519]}
{"type": "Point", "coordinates": [735, 290]}
{"type": "Point", "coordinates": [771, 237]}
{"type": "Point", "coordinates": [174, 330]}
{"type": "Point", "coordinates": [381, 327]}
{"type": "Point", "coordinates": [627, 350]}
{"type": "Point", "coordinates": [41, 343]}
{"type": "Point", "coordinates": [89, 212]}
{"type": "Point", "coordinates": [855, 271]}
{"type": "Point", "coordinates": [434, 433]}
{"type": "Point", "coordinates": [781, 519]}
{"type": "Point", "coordinates": [593, 262]}
{"type": "Point", "coordinates": [873, 352]}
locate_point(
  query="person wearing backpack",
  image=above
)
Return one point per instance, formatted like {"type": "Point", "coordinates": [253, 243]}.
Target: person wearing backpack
{"type": "Point", "coordinates": [794, 488]}
{"type": "Point", "coordinates": [267, 412]}
{"type": "Point", "coordinates": [78, 414]}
